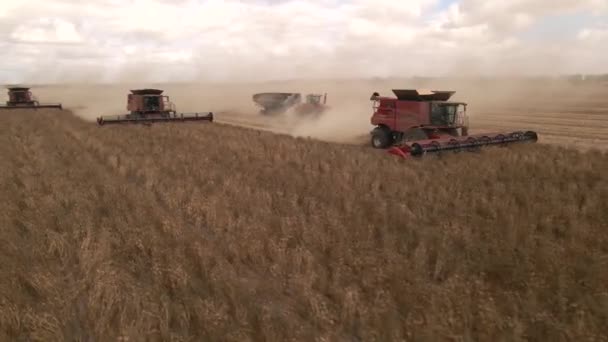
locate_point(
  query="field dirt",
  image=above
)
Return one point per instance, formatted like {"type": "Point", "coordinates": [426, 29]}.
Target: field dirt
{"type": "Point", "coordinates": [207, 231]}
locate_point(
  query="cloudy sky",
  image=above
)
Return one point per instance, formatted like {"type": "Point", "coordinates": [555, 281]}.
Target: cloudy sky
{"type": "Point", "coordinates": [183, 40]}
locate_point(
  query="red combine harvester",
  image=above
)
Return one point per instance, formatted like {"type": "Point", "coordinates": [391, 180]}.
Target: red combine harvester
{"type": "Point", "coordinates": [21, 97]}
{"type": "Point", "coordinates": [417, 122]}
{"type": "Point", "coordinates": [148, 106]}
{"type": "Point", "coordinates": [278, 103]}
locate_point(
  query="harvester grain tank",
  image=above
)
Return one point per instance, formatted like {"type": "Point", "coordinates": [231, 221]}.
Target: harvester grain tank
{"type": "Point", "coordinates": [278, 103]}
{"type": "Point", "coordinates": [21, 97]}
{"type": "Point", "coordinates": [417, 122]}
{"type": "Point", "coordinates": [148, 106]}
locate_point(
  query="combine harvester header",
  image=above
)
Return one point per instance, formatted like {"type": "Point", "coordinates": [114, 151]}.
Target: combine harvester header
{"type": "Point", "coordinates": [149, 105]}
{"type": "Point", "coordinates": [418, 122]}
{"type": "Point", "coordinates": [21, 97]}
{"type": "Point", "coordinates": [456, 144]}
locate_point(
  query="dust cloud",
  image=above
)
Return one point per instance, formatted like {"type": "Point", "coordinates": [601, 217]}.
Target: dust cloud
{"type": "Point", "coordinates": [346, 120]}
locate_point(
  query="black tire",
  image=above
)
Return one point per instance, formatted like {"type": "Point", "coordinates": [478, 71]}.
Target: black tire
{"type": "Point", "coordinates": [381, 138]}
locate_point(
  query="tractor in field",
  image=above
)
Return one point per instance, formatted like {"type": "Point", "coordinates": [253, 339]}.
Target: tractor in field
{"type": "Point", "coordinates": [279, 103]}
{"type": "Point", "coordinates": [418, 121]}
{"type": "Point", "coordinates": [146, 106]}
{"type": "Point", "coordinates": [21, 97]}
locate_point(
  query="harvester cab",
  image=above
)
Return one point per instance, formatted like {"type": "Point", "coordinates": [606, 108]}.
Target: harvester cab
{"type": "Point", "coordinates": [420, 121]}
{"type": "Point", "coordinates": [149, 101]}
{"type": "Point", "coordinates": [148, 106]}
{"type": "Point", "coordinates": [21, 97]}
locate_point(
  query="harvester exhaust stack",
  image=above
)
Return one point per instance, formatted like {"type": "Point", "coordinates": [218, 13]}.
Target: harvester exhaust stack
{"type": "Point", "coordinates": [148, 106]}
{"type": "Point", "coordinates": [21, 97]}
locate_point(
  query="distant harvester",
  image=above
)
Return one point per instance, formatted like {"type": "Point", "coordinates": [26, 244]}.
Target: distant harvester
{"type": "Point", "coordinates": [21, 97]}
{"type": "Point", "coordinates": [149, 105]}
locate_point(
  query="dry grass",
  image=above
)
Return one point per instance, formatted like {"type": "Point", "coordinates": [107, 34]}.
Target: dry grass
{"type": "Point", "coordinates": [210, 232]}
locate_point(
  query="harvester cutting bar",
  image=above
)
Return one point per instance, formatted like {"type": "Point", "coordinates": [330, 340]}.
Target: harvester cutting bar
{"type": "Point", "coordinates": [145, 119]}
{"type": "Point", "coordinates": [456, 144]}
{"type": "Point", "coordinates": [33, 106]}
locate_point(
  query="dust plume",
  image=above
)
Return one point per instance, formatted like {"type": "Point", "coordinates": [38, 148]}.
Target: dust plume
{"type": "Point", "coordinates": [493, 103]}
{"type": "Point", "coordinates": [340, 123]}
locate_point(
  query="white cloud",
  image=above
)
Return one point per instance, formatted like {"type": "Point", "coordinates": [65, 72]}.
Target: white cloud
{"type": "Point", "coordinates": [215, 39]}
{"type": "Point", "coordinates": [45, 30]}
{"type": "Point", "coordinates": [594, 35]}
{"type": "Point", "coordinates": [506, 17]}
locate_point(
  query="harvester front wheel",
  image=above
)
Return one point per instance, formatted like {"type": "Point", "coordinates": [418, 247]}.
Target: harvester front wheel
{"type": "Point", "coordinates": [381, 137]}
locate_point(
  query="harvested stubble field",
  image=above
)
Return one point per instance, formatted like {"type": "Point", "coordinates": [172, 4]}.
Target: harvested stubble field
{"type": "Point", "coordinates": [210, 232]}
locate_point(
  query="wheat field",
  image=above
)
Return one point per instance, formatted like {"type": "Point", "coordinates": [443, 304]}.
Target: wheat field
{"type": "Point", "coordinates": [210, 232]}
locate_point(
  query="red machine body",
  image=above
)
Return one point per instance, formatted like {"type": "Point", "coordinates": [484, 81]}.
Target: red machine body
{"type": "Point", "coordinates": [417, 122]}
{"type": "Point", "coordinates": [149, 105]}
{"type": "Point", "coordinates": [21, 97]}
